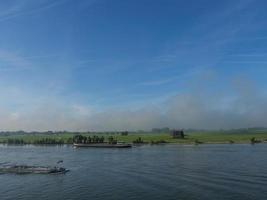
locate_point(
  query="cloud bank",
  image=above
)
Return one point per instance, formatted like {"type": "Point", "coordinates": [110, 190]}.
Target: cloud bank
{"type": "Point", "coordinates": [241, 104]}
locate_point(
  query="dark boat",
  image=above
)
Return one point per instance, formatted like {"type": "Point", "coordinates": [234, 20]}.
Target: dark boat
{"type": "Point", "coordinates": [26, 169]}
{"type": "Point", "coordinates": [103, 145]}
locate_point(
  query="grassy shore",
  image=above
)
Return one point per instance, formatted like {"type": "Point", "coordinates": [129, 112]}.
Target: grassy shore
{"type": "Point", "coordinates": [190, 138]}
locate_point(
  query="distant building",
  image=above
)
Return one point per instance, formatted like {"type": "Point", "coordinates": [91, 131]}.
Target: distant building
{"type": "Point", "coordinates": [177, 134]}
{"type": "Point", "coordinates": [124, 133]}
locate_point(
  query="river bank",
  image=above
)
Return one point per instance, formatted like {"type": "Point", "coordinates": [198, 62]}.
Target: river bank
{"type": "Point", "coordinates": [211, 137]}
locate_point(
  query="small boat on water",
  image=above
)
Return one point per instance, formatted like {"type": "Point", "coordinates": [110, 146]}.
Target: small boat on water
{"type": "Point", "coordinates": [103, 145]}
{"type": "Point", "coordinates": [26, 169]}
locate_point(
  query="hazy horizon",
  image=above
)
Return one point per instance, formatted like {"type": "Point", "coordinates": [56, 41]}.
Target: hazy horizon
{"type": "Point", "coordinates": [132, 65]}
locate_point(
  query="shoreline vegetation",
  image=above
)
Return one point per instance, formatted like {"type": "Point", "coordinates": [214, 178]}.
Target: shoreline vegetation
{"type": "Point", "coordinates": [159, 136]}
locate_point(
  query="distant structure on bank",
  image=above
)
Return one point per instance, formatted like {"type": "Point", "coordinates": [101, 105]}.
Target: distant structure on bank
{"type": "Point", "coordinates": [124, 133]}
{"type": "Point", "coordinates": [177, 134]}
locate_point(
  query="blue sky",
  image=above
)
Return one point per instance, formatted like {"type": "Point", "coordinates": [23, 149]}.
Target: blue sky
{"type": "Point", "coordinates": [78, 64]}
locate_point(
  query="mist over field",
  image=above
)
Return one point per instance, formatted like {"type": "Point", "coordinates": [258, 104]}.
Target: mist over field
{"type": "Point", "coordinates": [241, 104]}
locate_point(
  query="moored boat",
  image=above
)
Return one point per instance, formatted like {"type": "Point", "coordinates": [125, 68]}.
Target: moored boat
{"type": "Point", "coordinates": [103, 145]}
{"type": "Point", "coordinates": [26, 169]}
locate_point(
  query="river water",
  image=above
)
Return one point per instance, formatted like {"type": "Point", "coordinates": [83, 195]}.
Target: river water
{"type": "Point", "coordinates": [148, 172]}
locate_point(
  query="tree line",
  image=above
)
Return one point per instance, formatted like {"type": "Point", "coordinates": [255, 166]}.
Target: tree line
{"type": "Point", "coordinates": [81, 139]}
{"type": "Point", "coordinates": [87, 140]}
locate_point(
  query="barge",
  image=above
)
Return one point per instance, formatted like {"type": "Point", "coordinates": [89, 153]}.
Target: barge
{"type": "Point", "coordinates": [103, 145]}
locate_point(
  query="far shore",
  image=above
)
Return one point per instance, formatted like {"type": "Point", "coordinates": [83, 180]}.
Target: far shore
{"type": "Point", "coordinates": [138, 138]}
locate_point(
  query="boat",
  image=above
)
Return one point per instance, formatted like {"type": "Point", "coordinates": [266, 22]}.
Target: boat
{"type": "Point", "coordinates": [27, 169]}
{"type": "Point", "coordinates": [103, 145]}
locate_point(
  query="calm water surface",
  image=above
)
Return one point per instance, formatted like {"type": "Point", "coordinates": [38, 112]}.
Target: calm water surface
{"type": "Point", "coordinates": [147, 172]}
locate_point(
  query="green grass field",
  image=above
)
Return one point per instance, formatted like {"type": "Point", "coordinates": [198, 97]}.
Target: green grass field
{"type": "Point", "coordinates": [191, 137]}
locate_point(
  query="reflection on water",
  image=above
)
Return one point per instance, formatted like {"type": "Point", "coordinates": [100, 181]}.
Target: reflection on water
{"type": "Point", "coordinates": [147, 172]}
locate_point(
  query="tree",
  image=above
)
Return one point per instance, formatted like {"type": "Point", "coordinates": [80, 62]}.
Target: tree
{"type": "Point", "coordinates": [102, 139]}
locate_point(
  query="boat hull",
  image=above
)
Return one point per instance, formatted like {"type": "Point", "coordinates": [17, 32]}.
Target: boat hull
{"type": "Point", "coordinates": [103, 145]}
{"type": "Point", "coordinates": [23, 169]}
